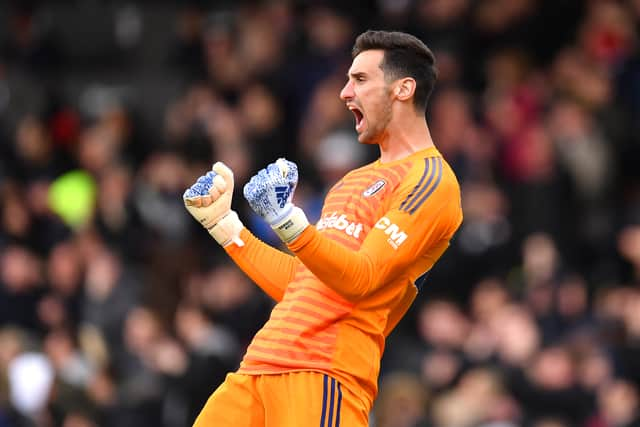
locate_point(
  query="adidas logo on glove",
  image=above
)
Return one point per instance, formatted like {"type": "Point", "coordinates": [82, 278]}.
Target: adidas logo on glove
{"type": "Point", "coordinates": [282, 194]}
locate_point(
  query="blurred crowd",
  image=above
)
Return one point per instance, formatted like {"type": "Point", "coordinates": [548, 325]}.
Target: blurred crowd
{"type": "Point", "coordinates": [117, 309]}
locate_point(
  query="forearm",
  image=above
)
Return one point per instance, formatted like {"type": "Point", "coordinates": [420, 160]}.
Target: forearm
{"type": "Point", "coordinates": [351, 274]}
{"type": "Point", "coordinates": [269, 268]}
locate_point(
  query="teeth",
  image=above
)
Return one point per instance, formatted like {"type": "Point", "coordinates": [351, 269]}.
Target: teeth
{"type": "Point", "coordinates": [359, 117]}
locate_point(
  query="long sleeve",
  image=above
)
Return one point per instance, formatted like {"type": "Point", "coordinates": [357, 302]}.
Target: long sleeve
{"type": "Point", "coordinates": [268, 267]}
{"type": "Point", "coordinates": [408, 234]}
{"type": "Point", "coordinates": [382, 226]}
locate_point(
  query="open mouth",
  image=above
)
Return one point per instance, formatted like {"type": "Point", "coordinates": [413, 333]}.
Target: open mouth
{"type": "Point", "coordinates": [358, 116]}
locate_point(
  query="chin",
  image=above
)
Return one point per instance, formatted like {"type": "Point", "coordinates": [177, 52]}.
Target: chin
{"type": "Point", "coordinates": [364, 138]}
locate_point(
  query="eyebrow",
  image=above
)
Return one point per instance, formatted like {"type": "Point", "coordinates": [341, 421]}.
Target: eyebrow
{"type": "Point", "coordinates": [356, 74]}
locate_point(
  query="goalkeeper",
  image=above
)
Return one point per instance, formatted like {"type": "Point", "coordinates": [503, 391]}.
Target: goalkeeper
{"type": "Point", "coordinates": [354, 274]}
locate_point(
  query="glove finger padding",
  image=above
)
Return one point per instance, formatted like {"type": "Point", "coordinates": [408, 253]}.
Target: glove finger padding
{"type": "Point", "coordinates": [200, 188]}
{"type": "Point", "coordinates": [270, 195]}
{"type": "Point", "coordinates": [197, 203]}
{"type": "Point", "coordinates": [225, 174]}
{"type": "Point", "coordinates": [270, 192]}
{"type": "Point", "coordinates": [208, 200]}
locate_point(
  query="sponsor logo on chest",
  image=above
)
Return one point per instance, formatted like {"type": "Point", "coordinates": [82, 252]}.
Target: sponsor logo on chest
{"type": "Point", "coordinates": [340, 222]}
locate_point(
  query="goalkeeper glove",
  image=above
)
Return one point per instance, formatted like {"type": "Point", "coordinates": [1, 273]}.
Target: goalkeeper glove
{"type": "Point", "coordinates": [208, 200]}
{"type": "Point", "coordinates": [269, 194]}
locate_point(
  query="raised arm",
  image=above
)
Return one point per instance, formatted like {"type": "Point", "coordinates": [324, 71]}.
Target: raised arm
{"type": "Point", "coordinates": [208, 200]}
{"type": "Point", "coordinates": [397, 241]}
{"type": "Point", "coordinates": [415, 231]}
{"type": "Point", "coordinates": [267, 266]}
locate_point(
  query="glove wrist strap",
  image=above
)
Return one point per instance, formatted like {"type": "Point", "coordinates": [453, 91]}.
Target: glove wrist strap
{"type": "Point", "coordinates": [290, 227]}
{"type": "Point", "coordinates": [227, 230]}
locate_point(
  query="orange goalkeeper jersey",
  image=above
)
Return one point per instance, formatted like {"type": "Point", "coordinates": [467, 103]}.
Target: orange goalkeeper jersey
{"type": "Point", "coordinates": [354, 274]}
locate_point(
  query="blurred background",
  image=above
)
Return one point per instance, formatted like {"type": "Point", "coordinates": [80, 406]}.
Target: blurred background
{"type": "Point", "coordinates": [117, 309]}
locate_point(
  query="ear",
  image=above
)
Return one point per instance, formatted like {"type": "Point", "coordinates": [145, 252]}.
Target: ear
{"type": "Point", "coordinates": [405, 88]}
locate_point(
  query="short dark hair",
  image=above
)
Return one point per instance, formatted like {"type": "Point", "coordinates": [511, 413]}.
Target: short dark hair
{"type": "Point", "coordinates": [404, 56]}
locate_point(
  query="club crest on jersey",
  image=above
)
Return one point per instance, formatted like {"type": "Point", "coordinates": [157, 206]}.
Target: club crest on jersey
{"type": "Point", "coordinates": [377, 186]}
{"type": "Point", "coordinates": [282, 194]}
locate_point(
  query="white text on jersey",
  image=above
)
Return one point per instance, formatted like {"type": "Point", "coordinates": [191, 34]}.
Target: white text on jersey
{"type": "Point", "coordinates": [340, 223]}
{"type": "Point", "coordinates": [396, 236]}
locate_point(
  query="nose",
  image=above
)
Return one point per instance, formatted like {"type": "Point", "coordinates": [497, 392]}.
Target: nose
{"type": "Point", "coordinates": [347, 91]}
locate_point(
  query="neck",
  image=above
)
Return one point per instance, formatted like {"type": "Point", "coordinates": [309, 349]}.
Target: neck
{"type": "Point", "coordinates": [404, 136]}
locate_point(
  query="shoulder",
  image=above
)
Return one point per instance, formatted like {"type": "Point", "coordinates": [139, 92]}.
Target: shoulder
{"type": "Point", "coordinates": [356, 174]}
{"type": "Point", "coordinates": [358, 171]}
{"type": "Point", "coordinates": [428, 178]}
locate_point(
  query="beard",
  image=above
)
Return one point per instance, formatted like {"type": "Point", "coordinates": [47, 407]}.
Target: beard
{"type": "Point", "coordinates": [377, 128]}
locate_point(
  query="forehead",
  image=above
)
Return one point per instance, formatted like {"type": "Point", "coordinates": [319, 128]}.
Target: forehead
{"type": "Point", "coordinates": [367, 62]}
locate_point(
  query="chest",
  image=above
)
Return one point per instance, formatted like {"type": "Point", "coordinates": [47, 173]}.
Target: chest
{"type": "Point", "coordinates": [356, 203]}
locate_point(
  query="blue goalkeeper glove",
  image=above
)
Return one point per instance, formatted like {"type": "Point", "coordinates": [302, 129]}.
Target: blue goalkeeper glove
{"type": "Point", "coordinates": [269, 194]}
{"type": "Point", "coordinates": [208, 200]}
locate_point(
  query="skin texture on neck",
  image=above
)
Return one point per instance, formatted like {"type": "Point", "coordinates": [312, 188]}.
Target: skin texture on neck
{"type": "Point", "coordinates": [406, 133]}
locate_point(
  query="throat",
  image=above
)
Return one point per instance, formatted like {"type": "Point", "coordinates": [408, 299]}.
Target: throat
{"type": "Point", "coordinates": [398, 147]}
